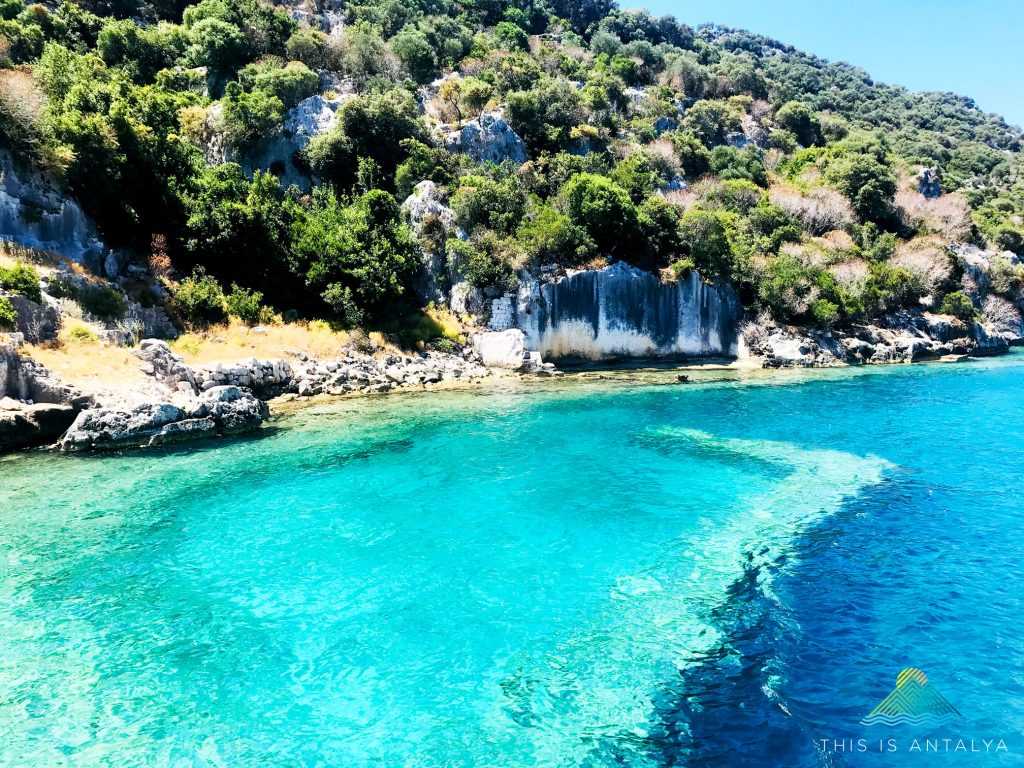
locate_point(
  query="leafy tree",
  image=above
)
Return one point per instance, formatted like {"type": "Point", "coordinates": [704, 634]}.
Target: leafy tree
{"type": "Point", "coordinates": [482, 263]}
{"type": "Point", "coordinates": [602, 208]}
{"type": "Point", "coordinates": [511, 36]}
{"type": "Point", "coordinates": [797, 118]}
{"type": "Point", "coordinates": [694, 157]}
{"type": "Point", "coordinates": [544, 116]}
{"type": "Point", "coordinates": [637, 176]}
{"type": "Point", "coordinates": [498, 204]}
{"type": "Point", "coordinates": [868, 183]}
{"type": "Point", "coordinates": [415, 51]}
{"type": "Point", "coordinates": [711, 121]}
{"type": "Point", "coordinates": [360, 257]}
{"type": "Point", "coordinates": [659, 226]}
{"type": "Point", "coordinates": [705, 238]}
{"type": "Point", "coordinates": [249, 117]}
{"type": "Point", "coordinates": [239, 230]}
{"type": "Point", "coordinates": [549, 236]}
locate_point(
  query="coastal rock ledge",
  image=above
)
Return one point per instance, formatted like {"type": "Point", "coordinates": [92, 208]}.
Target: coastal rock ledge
{"type": "Point", "coordinates": [219, 411]}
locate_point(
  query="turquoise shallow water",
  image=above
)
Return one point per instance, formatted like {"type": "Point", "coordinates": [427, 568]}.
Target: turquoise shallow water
{"type": "Point", "coordinates": [592, 573]}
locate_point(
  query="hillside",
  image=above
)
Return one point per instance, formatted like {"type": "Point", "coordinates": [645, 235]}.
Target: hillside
{"type": "Point", "coordinates": [233, 157]}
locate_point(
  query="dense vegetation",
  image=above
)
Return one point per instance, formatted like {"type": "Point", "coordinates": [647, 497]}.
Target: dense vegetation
{"type": "Point", "coordinates": [799, 173]}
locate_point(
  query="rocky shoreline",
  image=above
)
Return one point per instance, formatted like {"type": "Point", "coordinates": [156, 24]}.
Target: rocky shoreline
{"type": "Point", "coordinates": [182, 403]}
{"type": "Point", "coordinates": [901, 337]}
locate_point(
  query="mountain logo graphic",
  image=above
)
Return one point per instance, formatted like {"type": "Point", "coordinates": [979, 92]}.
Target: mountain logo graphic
{"type": "Point", "coordinates": [912, 702]}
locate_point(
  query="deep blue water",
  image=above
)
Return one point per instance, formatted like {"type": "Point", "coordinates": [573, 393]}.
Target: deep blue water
{"type": "Point", "coordinates": [590, 573]}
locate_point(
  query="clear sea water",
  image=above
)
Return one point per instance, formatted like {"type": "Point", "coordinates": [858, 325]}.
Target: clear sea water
{"type": "Point", "coordinates": [597, 572]}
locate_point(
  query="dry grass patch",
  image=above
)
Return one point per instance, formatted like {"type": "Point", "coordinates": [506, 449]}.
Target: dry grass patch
{"type": "Point", "coordinates": [79, 359]}
{"type": "Point", "coordinates": [237, 341]}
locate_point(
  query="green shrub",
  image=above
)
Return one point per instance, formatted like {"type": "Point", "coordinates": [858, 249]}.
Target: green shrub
{"type": "Point", "coordinates": [199, 299]}
{"type": "Point", "coordinates": [499, 205]}
{"type": "Point", "coordinates": [825, 312]}
{"type": "Point", "coordinates": [510, 36]}
{"type": "Point", "coordinates": [249, 117]}
{"type": "Point", "coordinates": [797, 118]}
{"type": "Point", "coordinates": [959, 305]}
{"type": "Point", "coordinates": [680, 268]}
{"type": "Point", "coordinates": [290, 83]}
{"type": "Point", "coordinates": [23, 280]}
{"type": "Point", "coordinates": [549, 236]}
{"type": "Point", "coordinates": [8, 316]}
{"type": "Point", "coordinates": [602, 208]}
{"type": "Point", "coordinates": [705, 237]}
{"type": "Point", "coordinates": [102, 301]}
{"type": "Point", "coordinates": [82, 334]}
{"type": "Point", "coordinates": [245, 304]}
{"type": "Point", "coordinates": [483, 265]}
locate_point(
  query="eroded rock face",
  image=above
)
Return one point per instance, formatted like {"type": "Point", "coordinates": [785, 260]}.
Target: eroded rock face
{"type": "Point", "coordinates": [27, 425]}
{"type": "Point", "coordinates": [311, 117]}
{"type": "Point", "coordinates": [37, 322]}
{"type": "Point", "coordinates": [488, 139]}
{"type": "Point", "coordinates": [623, 311]}
{"type": "Point", "coordinates": [433, 222]}
{"type": "Point", "coordinates": [35, 213]}
{"type": "Point", "coordinates": [501, 349]}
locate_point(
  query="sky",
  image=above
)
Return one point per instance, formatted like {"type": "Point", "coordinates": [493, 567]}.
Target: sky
{"type": "Point", "coordinates": [971, 47]}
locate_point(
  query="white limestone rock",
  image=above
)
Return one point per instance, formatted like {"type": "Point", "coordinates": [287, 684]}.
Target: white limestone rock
{"type": "Point", "coordinates": [501, 349]}
{"type": "Point", "coordinates": [488, 138]}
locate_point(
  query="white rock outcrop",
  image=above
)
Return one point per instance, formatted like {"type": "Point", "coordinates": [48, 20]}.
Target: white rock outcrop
{"type": "Point", "coordinates": [501, 349]}
{"type": "Point", "coordinates": [488, 139]}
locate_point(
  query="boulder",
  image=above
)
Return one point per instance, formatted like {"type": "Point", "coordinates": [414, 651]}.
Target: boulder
{"type": "Point", "coordinates": [26, 425]}
{"type": "Point", "coordinates": [37, 322]}
{"type": "Point", "coordinates": [22, 378]}
{"type": "Point", "coordinates": [929, 182]}
{"type": "Point", "coordinates": [219, 411]}
{"type": "Point", "coordinates": [501, 349]}
{"type": "Point", "coordinates": [166, 367]}
{"type": "Point", "coordinates": [488, 139]}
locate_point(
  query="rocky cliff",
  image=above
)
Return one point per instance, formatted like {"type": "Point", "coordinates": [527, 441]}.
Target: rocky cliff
{"type": "Point", "coordinates": [622, 311]}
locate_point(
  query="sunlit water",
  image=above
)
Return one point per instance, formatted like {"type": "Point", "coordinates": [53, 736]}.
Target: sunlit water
{"type": "Point", "coordinates": [595, 573]}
